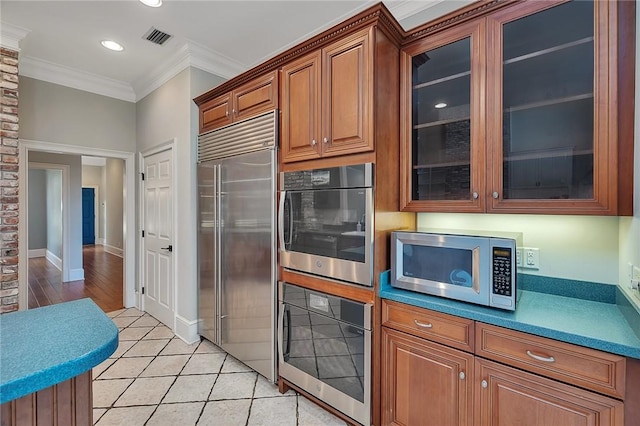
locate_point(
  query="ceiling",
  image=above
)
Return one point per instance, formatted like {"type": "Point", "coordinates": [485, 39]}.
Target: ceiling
{"type": "Point", "coordinates": [59, 41]}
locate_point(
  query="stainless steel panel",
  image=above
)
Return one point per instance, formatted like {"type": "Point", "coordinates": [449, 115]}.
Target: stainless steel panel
{"type": "Point", "coordinates": [247, 259]}
{"type": "Point", "coordinates": [207, 237]}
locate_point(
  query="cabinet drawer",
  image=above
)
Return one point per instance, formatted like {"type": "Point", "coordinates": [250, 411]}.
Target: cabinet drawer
{"type": "Point", "coordinates": [442, 328]}
{"type": "Point", "coordinates": [587, 368]}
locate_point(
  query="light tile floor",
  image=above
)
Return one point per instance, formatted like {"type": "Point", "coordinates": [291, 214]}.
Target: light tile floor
{"type": "Point", "coordinates": [154, 378]}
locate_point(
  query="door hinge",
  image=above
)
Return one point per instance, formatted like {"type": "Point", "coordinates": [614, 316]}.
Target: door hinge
{"type": "Point", "coordinates": [143, 233]}
{"type": "Point", "coordinates": [142, 175]}
{"type": "Point", "coordinates": [142, 290]}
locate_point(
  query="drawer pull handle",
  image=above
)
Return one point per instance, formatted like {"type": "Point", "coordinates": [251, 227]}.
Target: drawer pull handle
{"type": "Point", "coordinates": [541, 358]}
{"type": "Point", "coordinates": [422, 324]}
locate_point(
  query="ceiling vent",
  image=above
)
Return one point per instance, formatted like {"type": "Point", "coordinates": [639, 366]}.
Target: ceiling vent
{"type": "Point", "coordinates": [156, 36]}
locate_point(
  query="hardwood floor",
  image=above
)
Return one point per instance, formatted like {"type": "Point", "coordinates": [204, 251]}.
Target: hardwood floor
{"type": "Point", "coordinates": [102, 281]}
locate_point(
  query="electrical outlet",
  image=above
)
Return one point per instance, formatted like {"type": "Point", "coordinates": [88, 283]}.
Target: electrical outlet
{"type": "Point", "coordinates": [519, 256]}
{"type": "Point", "coordinates": [530, 258]}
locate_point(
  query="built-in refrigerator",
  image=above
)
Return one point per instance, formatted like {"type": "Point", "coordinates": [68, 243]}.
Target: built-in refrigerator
{"type": "Point", "coordinates": [237, 240]}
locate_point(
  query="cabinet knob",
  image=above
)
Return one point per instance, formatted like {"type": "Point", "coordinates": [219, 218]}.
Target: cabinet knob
{"type": "Point", "coordinates": [227, 113]}
{"type": "Point", "coordinates": [313, 142]}
{"type": "Point", "coordinates": [234, 112]}
{"type": "Point", "coordinates": [475, 195]}
{"type": "Point", "coordinates": [325, 140]}
{"type": "Point", "coordinates": [461, 375]}
{"type": "Point", "coordinates": [484, 384]}
{"type": "Point", "coordinates": [495, 195]}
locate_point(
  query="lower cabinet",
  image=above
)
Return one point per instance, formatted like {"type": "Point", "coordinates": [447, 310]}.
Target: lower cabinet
{"type": "Point", "coordinates": [425, 383]}
{"type": "Point", "coordinates": [507, 396]}
{"type": "Point", "coordinates": [432, 384]}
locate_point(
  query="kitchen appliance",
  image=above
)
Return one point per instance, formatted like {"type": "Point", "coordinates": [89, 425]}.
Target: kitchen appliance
{"type": "Point", "coordinates": [326, 222]}
{"type": "Point", "coordinates": [324, 347]}
{"type": "Point", "coordinates": [465, 266]}
{"type": "Point", "coordinates": [237, 240]}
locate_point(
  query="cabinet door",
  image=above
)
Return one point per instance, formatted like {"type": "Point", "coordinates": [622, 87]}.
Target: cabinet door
{"type": "Point", "coordinates": [258, 95]}
{"type": "Point", "coordinates": [347, 95]}
{"type": "Point", "coordinates": [215, 113]}
{"type": "Point", "coordinates": [424, 383]}
{"type": "Point", "coordinates": [300, 101]}
{"type": "Point", "coordinates": [443, 115]}
{"type": "Point", "coordinates": [506, 396]}
{"type": "Point", "coordinates": [552, 103]}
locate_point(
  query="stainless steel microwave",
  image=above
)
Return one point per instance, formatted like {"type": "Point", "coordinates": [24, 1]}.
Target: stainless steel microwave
{"type": "Point", "coordinates": [472, 268]}
{"type": "Point", "coordinates": [325, 222]}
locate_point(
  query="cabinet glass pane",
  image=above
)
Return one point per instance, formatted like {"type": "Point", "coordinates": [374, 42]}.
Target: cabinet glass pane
{"type": "Point", "coordinates": [441, 132]}
{"type": "Point", "coordinates": [548, 79]}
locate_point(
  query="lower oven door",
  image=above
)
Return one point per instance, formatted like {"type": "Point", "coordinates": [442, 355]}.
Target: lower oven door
{"type": "Point", "coordinates": [324, 347]}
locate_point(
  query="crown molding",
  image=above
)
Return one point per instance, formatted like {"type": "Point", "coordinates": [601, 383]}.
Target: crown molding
{"type": "Point", "coordinates": [10, 36]}
{"type": "Point", "coordinates": [190, 54]}
{"type": "Point", "coordinates": [74, 78]}
{"type": "Point", "coordinates": [406, 8]}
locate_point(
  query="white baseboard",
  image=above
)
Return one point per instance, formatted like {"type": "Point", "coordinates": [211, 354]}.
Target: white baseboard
{"type": "Point", "coordinates": [54, 260]}
{"type": "Point", "coordinates": [187, 330]}
{"type": "Point", "coordinates": [76, 274]}
{"type": "Point", "coordinates": [38, 253]}
{"type": "Point", "coordinates": [113, 250]}
{"type": "Point", "coordinates": [99, 241]}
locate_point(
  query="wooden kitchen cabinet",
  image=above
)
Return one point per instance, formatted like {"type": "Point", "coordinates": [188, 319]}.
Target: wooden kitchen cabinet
{"type": "Point", "coordinates": [507, 396]}
{"type": "Point", "coordinates": [499, 116]}
{"type": "Point", "coordinates": [440, 369]}
{"type": "Point", "coordinates": [425, 383]}
{"type": "Point", "coordinates": [327, 100]}
{"type": "Point", "coordinates": [254, 97]}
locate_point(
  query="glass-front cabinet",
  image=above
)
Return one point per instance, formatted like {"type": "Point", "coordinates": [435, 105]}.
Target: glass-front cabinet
{"type": "Point", "coordinates": [514, 112]}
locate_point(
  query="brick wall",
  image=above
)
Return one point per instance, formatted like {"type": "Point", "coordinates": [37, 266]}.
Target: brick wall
{"type": "Point", "coordinates": [9, 181]}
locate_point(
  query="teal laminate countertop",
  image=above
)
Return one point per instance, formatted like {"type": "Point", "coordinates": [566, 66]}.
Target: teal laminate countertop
{"type": "Point", "coordinates": [590, 323]}
{"type": "Point", "coordinates": [45, 346]}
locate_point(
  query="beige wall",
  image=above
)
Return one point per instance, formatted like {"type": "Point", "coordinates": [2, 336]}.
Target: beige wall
{"type": "Point", "coordinates": [114, 201]}
{"type": "Point", "coordinates": [59, 114]}
{"type": "Point", "coordinates": [167, 113]}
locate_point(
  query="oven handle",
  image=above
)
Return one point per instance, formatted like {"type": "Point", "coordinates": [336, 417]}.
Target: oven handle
{"type": "Point", "coordinates": [283, 196]}
{"type": "Point", "coordinates": [282, 355]}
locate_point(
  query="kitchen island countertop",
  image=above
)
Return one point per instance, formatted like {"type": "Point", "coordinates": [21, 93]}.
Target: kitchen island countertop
{"type": "Point", "coordinates": [46, 346]}
{"type": "Point", "coordinates": [589, 323]}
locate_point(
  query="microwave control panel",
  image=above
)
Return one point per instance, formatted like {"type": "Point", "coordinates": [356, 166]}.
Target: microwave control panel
{"type": "Point", "coordinates": [502, 261]}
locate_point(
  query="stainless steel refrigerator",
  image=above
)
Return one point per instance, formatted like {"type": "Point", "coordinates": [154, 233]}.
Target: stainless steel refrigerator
{"type": "Point", "coordinates": [237, 240]}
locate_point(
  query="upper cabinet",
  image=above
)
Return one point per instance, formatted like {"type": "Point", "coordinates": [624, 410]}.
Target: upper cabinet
{"type": "Point", "coordinates": [516, 112]}
{"type": "Point", "coordinates": [254, 97]}
{"type": "Point", "coordinates": [327, 100]}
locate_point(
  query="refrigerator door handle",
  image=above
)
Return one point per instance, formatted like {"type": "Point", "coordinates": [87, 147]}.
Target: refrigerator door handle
{"type": "Point", "coordinates": [218, 259]}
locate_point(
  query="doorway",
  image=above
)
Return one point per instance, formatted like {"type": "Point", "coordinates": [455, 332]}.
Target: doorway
{"type": "Point", "coordinates": [129, 290]}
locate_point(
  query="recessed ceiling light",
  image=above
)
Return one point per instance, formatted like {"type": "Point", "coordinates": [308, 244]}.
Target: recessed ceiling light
{"type": "Point", "coordinates": [440, 105]}
{"type": "Point", "coordinates": [112, 45]}
{"type": "Point", "coordinates": [152, 3]}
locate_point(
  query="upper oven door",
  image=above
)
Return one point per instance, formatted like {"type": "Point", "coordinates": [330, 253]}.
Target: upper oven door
{"type": "Point", "coordinates": [326, 224]}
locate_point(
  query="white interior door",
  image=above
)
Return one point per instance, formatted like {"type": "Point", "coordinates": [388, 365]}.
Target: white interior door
{"type": "Point", "coordinates": [158, 237]}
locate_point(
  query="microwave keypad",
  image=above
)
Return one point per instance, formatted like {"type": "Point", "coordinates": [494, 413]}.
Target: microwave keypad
{"type": "Point", "coordinates": [502, 271]}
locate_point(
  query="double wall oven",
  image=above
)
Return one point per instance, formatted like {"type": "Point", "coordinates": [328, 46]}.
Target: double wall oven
{"type": "Point", "coordinates": [325, 222]}
{"type": "Point", "coordinates": [324, 340]}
